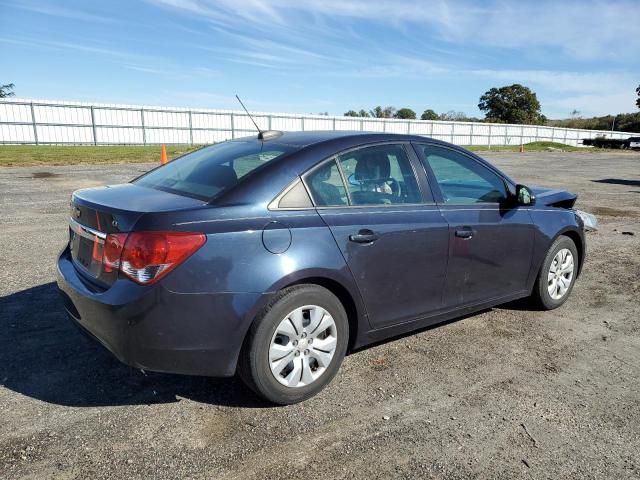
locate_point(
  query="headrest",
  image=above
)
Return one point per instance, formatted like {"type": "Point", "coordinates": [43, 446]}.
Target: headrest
{"type": "Point", "coordinates": [373, 166]}
{"type": "Point", "coordinates": [220, 176]}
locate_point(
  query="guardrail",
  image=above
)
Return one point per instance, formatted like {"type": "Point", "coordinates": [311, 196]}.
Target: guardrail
{"type": "Point", "coordinates": [37, 122]}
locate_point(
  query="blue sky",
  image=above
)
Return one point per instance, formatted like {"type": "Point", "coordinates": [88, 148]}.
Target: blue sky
{"type": "Point", "coordinates": [310, 56]}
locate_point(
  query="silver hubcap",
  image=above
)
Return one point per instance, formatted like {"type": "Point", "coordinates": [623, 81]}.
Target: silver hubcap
{"type": "Point", "coordinates": [303, 346]}
{"type": "Point", "coordinates": [560, 274]}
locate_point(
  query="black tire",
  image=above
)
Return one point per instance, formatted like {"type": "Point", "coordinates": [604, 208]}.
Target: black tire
{"type": "Point", "coordinates": [540, 294]}
{"type": "Point", "coordinates": [253, 366]}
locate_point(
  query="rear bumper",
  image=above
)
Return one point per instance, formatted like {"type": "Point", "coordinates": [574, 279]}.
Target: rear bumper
{"type": "Point", "coordinates": [155, 329]}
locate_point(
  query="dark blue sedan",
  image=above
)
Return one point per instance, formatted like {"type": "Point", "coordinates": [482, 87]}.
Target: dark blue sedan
{"type": "Point", "coordinates": [274, 256]}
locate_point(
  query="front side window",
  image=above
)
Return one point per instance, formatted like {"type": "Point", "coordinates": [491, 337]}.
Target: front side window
{"type": "Point", "coordinates": [461, 179]}
{"type": "Point", "coordinates": [209, 171]}
{"type": "Point", "coordinates": [379, 175]}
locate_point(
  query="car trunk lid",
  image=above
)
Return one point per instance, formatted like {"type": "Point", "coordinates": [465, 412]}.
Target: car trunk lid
{"type": "Point", "coordinates": [98, 212]}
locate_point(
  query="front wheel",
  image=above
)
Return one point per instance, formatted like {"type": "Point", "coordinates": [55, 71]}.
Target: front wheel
{"type": "Point", "coordinates": [296, 345]}
{"type": "Point", "coordinates": [557, 274]}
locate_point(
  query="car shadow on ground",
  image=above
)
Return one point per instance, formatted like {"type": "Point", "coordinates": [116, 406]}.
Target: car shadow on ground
{"type": "Point", "coordinates": [619, 181]}
{"type": "Point", "coordinates": [44, 356]}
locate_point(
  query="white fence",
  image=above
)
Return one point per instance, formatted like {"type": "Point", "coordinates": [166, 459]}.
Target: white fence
{"type": "Point", "coordinates": [53, 122]}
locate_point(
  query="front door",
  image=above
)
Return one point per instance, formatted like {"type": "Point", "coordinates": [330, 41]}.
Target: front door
{"type": "Point", "coordinates": [490, 238]}
{"type": "Point", "coordinates": [393, 237]}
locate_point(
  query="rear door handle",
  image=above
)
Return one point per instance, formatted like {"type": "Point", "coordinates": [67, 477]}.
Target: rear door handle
{"type": "Point", "coordinates": [363, 236]}
{"type": "Point", "coordinates": [464, 232]}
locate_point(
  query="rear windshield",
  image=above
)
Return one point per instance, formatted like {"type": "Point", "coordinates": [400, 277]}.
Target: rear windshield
{"type": "Point", "coordinates": [209, 171]}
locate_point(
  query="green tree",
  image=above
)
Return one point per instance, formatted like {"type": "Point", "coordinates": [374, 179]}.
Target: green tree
{"type": "Point", "coordinates": [379, 112]}
{"type": "Point", "coordinates": [353, 113]}
{"type": "Point", "coordinates": [511, 104]}
{"type": "Point", "coordinates": [638, 100]}
{"type": "Point", "coordinates": [7, 90]}
{"type": "Point", "coordinates": [429, 115]}
{"type": "Point", "coordinates": [405, 113]}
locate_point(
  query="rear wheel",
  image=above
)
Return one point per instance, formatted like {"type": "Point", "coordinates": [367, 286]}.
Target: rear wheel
{"type": "Point", "coordinates": [557, 274]}
{"type": "Point", "coordinates": [296, 345]}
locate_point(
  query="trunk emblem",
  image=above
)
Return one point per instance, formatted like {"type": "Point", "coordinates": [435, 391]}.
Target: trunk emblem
{"type": "Point", "coordinates": [76, 212]}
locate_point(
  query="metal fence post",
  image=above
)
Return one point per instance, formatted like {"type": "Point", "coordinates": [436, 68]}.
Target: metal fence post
{"type": "Point", "coordinates": [269, 121]}
{"type": "Point", "coordinates": [302, 124]}
{"type": "Point", "coordinates": [334, 124]}
{"type": "Point", "coordinates": [408, 127]}
{"type": "Point", "coordinates": [361, 125]}
{"type": "Point", "coordinates": [565, 136]}
{"type": "Point", "coordinates": [537, 135]}
{"type": "Point", "coordinates": [489, 141]}
{"type": "Point", "coordinates": [471, 133]}
{"type": "Point", "coordinates": [453, 127]}
{"type": "Point", "coordinates": [33, 123]}
{"type": "Point", "coordinates": [190, 129]}
{"type": "Point", "coordinates": [233, 126]}
{"type": "Point", "coordinates": [431, 130]}
{"type": "Point", "coordinates": [93, 126]}
{"type": "Point", "coordinates": [144, 132]}
{"type": "Point", "coordinates": [522, 135]}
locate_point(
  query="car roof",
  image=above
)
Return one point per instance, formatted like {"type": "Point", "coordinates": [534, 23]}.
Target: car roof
{"type": "Point", "coordinates": [308, 138]}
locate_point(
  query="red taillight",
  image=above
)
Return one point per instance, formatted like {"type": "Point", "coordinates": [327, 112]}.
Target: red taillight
{"type": "Point", "coordinates": [145, 257]}
{"type": "Point", "coordinates": [113, 245]}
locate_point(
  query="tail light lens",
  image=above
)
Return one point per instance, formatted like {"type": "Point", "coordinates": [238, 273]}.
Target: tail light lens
{"type": "Point", "coordinates": [146, 257]}
{"type": "Point", "coordinates": [112, 251]}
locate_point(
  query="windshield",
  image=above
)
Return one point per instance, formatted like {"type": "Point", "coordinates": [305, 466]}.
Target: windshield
{"type": "Point", "coordinates": [209, 171]}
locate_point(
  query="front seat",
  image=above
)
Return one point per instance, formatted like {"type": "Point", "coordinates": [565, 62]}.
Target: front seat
{"type": "Point", "coordinates": [372, 171]}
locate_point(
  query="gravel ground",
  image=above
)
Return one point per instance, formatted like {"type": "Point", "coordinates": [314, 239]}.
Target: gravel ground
{"type": "Point", "coordinates": [506, 393]}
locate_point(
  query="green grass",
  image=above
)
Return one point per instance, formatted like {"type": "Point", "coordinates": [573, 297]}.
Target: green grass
{"type": "Point", "coordinates": [31, 155]}
{"type": "Point", "coordinates": [27, 155]}
{"type": "Point", "coordinates": [533, 147]}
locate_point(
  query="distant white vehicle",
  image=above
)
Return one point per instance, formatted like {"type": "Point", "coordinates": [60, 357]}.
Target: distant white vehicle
{"type": "Point", "coordinates": [634, 142]}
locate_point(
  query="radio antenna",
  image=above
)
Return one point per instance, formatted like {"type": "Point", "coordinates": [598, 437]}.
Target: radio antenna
{"type": "Point", "coordinates": [245, 109]}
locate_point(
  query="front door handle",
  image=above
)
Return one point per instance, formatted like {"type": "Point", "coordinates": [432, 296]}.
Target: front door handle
{"type": "Point", "coordinates": [464, 233]}
{"type": "Point", "coordinates": [363, 236]}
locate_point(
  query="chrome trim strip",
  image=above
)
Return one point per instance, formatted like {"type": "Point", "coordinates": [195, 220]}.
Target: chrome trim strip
{"type": "Point", "coordinates": [86, 231]}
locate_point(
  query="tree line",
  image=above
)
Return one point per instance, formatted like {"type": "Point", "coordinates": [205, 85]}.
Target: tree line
{"type": "Point", "coordinates": [513, 104]}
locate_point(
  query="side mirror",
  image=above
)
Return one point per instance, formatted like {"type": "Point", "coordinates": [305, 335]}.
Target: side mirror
{"type": "Point", "coordinates": [524, 195]}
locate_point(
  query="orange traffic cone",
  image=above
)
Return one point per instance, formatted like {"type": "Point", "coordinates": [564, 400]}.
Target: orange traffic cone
{"type": "Point", "coordinates": [163, 155]}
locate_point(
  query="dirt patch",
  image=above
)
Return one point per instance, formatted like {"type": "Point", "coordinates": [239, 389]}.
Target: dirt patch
{"type": "Point", "coordinates": [44, 175]}
{"type": "Point", "coordinates": [612, 212]}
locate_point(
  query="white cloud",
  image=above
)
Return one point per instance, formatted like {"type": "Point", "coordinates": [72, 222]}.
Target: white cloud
{"type": "Point", "coordinates": [580, 29]}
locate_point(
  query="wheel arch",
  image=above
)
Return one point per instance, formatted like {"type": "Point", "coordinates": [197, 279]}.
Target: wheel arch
{"type": "Point", "coordinates": [578, 241]}
{"type": "Point", "coordinates": [345, 297]}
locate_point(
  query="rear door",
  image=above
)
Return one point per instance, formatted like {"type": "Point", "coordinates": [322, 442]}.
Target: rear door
{"type": "Point", "coordinates": [490, 238]}
{"type": "Point", "coordinates": [391, 233]}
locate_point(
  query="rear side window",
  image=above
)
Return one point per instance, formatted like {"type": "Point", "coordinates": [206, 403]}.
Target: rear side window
{"type": "Point", "coordinates": [209, 171]}
{"type": "Point", "coordinates": [327, 187]}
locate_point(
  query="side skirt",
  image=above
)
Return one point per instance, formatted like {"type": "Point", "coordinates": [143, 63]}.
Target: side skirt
{"type": "Point", "coordinates": [377, 335]}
